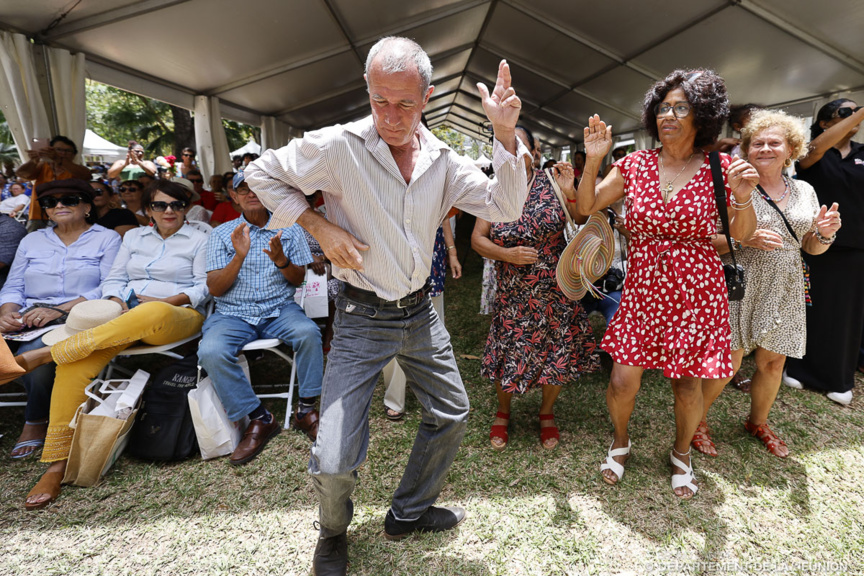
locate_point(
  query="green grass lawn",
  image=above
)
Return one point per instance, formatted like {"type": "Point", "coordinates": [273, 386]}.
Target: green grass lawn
{"type": "Point", "coordinates": [531, 511]}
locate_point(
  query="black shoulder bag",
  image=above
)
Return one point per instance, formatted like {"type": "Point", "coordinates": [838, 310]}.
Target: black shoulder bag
{"type": "Point", "coordinates": [733, 273]}
{"type": "Point", "coordinates": [805, 269]}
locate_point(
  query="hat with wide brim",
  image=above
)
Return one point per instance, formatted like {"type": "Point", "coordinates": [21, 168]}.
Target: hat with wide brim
{"type": "Point", "coordinates": [68, 186]}
{"type": "Point", "coordinates": [189, 186]}
{"type": "Point", "coordinates": [84, 316]}
{"type": "Point", "coordinates": [587, 258]}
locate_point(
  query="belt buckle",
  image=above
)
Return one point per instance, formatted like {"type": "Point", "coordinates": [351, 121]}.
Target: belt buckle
{"type": "Point", "coordinates": [410, 299]}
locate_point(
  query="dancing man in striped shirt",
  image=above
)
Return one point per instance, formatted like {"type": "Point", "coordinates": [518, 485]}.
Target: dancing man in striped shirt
{"type": "Point", "coordinates": [388, 183]}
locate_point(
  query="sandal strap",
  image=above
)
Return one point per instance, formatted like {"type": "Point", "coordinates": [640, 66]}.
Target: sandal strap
{"type": "Point", "coordinates": [547, 416]}
{"type": "Point", "coordinates": [765, 434]}
{"type": "Point", "coordinates": [502, 415]}
{"type": "Point", "coordinates": [684, 480]}
{"type": "Point", "coordinates": [611, 464]}
{"type": "Point", "coordinates": [27, 443]}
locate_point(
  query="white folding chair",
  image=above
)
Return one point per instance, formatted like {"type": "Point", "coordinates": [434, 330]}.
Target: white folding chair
{"type": "Point", "coordinates": [163, 350]}
{"type": "Point", "coordinates": [8, 399]}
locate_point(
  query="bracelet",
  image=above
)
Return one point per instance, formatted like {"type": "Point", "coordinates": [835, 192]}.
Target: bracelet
{"type": "Point", "coordinates": [287, 263]}
{"type": "Point", "coordinates": [571, 201]}
{"type": "Point", "coordinates": [743, 205]}
{"type": "Point", "coordinates": [824, 240]}
{"type": "Point", "coordinates": [451, 248]}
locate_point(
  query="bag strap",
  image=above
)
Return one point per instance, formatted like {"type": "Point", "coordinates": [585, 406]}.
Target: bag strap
{"type": "Point", "coordinates": [560, 196]}
{"type": "Point", "coordinates": [720, 198]}
{"type": "Point", "coordinates": [777, 208]}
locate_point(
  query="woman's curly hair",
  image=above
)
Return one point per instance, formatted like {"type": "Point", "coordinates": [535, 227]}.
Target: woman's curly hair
{"type": "Point", "coordinates": [706, 94]}
{"type": "Point", "coordinates": [792, 126]}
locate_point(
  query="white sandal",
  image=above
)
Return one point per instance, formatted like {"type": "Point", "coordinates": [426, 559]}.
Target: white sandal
{"type": "Point", "coordinates": [686, 479]}
{"type": "Point", "coordinates": [611, 464]}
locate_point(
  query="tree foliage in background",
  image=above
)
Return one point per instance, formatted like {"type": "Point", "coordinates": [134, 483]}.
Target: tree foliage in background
{"type": "Point", "coordinates": [461, 144]}
{"type": "Point", "coordinates": [8, 150]}
{"type": "Point", "coordinates": [120, 116]}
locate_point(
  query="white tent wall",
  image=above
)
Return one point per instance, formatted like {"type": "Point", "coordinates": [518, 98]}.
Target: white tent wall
{"type": "Point", "coordinates": [67, 87]}
{"type": "Point", "coordinates": [274, 133]}
{"type": "Point", "coordinates": [213, 152]}
{"type": "Point", "coordinates": [19, 91]}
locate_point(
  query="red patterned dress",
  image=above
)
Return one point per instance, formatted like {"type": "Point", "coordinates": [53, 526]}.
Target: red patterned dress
{"type": "Point", "coordinates": [538, 336]}
{"type": "Point", "coordinates": [674, 313]}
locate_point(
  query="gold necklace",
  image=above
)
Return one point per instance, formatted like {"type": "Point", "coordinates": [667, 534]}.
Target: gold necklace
{"type": "Point", "coordinates": [667, 190]}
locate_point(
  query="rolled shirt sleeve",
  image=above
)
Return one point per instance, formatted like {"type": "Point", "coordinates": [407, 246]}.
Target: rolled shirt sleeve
{"type": "Point", "coordinates": [499, 199]}
{"type": "Point", "coordinates": [118, 278]}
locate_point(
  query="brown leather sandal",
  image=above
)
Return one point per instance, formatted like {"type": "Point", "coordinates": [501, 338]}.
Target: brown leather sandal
{"type": "Point", "coordinates": [48, 484]}
{"type": "Point", "coordinates": [702, 441]}
{"type": "Point", "coordinates": [767, 436]}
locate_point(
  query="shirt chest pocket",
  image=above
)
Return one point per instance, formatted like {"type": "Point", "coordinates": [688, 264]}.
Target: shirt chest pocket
{"type": "Point", "coordinates": [45, 263]}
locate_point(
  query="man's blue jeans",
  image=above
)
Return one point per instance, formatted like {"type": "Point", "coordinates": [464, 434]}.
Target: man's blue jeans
{"type": "Point", "coordinates": [365, 339]}
{"type": "Point", "coordinates": [224, 337]}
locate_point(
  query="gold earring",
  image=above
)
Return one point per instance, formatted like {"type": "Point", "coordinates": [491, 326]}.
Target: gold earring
{"type": "Point", "coordinates": [788, 162]}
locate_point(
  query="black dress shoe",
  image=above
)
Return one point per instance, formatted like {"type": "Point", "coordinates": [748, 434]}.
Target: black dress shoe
{"type": "Point", "coordinates": [435, 519]}
{"type": "Point", "coordinates": [331, 556]}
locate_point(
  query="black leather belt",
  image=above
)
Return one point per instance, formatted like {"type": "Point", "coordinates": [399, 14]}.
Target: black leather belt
{"type": "Point", "coordinates": [371, 298]}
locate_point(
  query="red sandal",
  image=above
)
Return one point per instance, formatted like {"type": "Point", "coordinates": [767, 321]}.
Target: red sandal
{"type": "Point", "coordinates": [500, 431]}
{"type": "Point", "coordinates": [702, 441]}
{"type": "Point", "coordinates": [548, 432]}
{"type": "Point", "coordinates": [767, 436]}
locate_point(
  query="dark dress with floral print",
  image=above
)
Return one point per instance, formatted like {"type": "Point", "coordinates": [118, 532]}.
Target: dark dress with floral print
{"type": "Point", "coordinates": [538, 336]}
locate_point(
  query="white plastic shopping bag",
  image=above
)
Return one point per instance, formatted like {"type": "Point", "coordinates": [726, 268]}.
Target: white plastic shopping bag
{"type": "Point", "coordinates": [314, 301]}
{"type": "Point", "coordinates": [217, 434]}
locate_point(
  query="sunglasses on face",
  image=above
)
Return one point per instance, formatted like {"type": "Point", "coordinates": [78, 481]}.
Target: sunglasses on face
{"type": "Point", "coordinates": [98, 192]}
{"type": "Point", "coordinates": [129, 189]}
{"type": "Point", "coordinates": [196, 180]}
{"type": "Point", "coordinates": [175, 206]}
{"type": "Point", "coordinates": [187, 155]}
{"type": "Point", "coordinates": [847, 112]}
{"type": "Point", "coordinates": [52, 201]}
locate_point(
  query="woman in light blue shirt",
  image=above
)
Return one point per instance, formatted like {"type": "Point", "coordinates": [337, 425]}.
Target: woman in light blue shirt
{"type": "Point", "coordinates": [164, 265]}
{"type": "Point", "coordinates": [54, 269]}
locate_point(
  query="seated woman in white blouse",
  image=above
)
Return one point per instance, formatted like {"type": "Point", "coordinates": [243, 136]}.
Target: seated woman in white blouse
{"type": "Point", "coordinates": [164, 264]}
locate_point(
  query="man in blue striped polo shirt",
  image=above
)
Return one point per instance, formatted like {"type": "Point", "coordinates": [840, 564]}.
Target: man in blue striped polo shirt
{"type": "Point", "coordinates": [252, 273]}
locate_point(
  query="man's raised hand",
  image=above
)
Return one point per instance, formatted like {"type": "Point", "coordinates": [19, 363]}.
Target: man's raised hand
{"type": "Point", "coordinates": [502, 106]}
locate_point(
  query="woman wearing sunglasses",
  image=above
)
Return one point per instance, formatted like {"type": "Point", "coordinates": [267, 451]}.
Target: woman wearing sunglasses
{"type": "Point", "coordinates": [162, 268]}
{"type": "Point", "coordinates": [834, 166]}
{"type": "Point", "coordinates": [54, 269]}
{"type": "Point", "coordinates": [130, 194]}
{"type": "Point", "coordinates": [109, 213]}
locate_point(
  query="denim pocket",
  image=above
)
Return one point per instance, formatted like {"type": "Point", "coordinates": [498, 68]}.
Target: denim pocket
{"type": "Point", "coordinates": [355, 308]}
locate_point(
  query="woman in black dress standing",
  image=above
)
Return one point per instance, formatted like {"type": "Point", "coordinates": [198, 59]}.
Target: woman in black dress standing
{"type": "Point", "coordinates": [835, 168]}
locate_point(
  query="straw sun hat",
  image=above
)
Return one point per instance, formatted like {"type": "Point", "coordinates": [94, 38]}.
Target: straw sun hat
{"type": "Point", "coordinates": [587, 258]}
{"type": "Point", "coordinates": [83, 316]}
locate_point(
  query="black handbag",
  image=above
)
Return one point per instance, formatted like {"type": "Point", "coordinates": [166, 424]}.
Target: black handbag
{"type": "Point", "coordinates": [733, 273]}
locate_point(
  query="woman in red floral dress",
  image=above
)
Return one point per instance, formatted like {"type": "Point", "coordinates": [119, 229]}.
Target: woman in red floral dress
{"type": "Point", "coordinates": [674, 313]}
{"type": "Point", "coordinates": [538, 337]}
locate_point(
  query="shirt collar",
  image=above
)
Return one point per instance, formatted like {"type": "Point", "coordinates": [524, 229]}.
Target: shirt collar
{"type": "Point", "coordinates": [185, 230]}
{"type": "Point", "coordinates": [266, 225]}
{"type": "Point", "coordinates": [365, 129]}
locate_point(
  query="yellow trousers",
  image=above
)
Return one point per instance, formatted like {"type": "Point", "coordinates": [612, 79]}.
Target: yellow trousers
{"type": "Point", "coordinates": [80, 358]}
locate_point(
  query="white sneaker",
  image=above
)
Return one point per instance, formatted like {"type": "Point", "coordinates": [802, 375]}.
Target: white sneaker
{"type": "Point", "coordinates": [792, 382]}
{"type": "Point", "coordinates": [844, 398]}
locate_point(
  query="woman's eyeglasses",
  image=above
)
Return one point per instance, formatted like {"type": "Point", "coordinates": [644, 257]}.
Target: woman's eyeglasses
{"type": "Point", "coordinates": [129, 189]}
{"type": "Point", "coordinates": [680, 110]}
{"type": "Point", "coordinates": [51, 201]}
{"type": "Point", "coordinates": [846, 112]}
{"type": "Point", "coordinates": [196, 180]}
{"type": "Point", "coordinates": [175, 206]}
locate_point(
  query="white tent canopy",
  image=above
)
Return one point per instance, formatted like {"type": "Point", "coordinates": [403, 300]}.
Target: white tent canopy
{"type": "Point", "coordinates": [97, 147]}
{"type": "Point", "coordinates": [250, 147]}
{"type": "Point", "coordinates": [482, 161]}
{"type": "Point", "coordinates": [568, 60]}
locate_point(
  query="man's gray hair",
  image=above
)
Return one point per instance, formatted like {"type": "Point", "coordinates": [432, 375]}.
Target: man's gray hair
{"type": "Point", "coordinates": [396, 54]}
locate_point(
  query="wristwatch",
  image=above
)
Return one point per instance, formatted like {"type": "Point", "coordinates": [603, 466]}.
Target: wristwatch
{"type": "Point", "coordinates": [736, 245]}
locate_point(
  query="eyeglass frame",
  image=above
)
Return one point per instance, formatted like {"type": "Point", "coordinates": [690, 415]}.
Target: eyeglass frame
{"type": "Point", "coordinates": [659, 114]}
{"type": "Point", "coordinates": [175, 205]}
{"type": "Point", "coordinates": [125, 189]}
{"type": "Point", "coordinates": [78, 198]}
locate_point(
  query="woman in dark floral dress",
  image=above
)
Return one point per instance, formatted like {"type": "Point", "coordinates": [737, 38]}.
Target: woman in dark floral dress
{"type": "Point", "coordinates": [538, 337]}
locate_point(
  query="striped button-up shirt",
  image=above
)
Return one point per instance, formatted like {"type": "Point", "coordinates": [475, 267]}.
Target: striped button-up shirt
{"type": "Point", "coordinates": [366, 195]}
{"type": "Point", "coordinates": [260, 290]}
